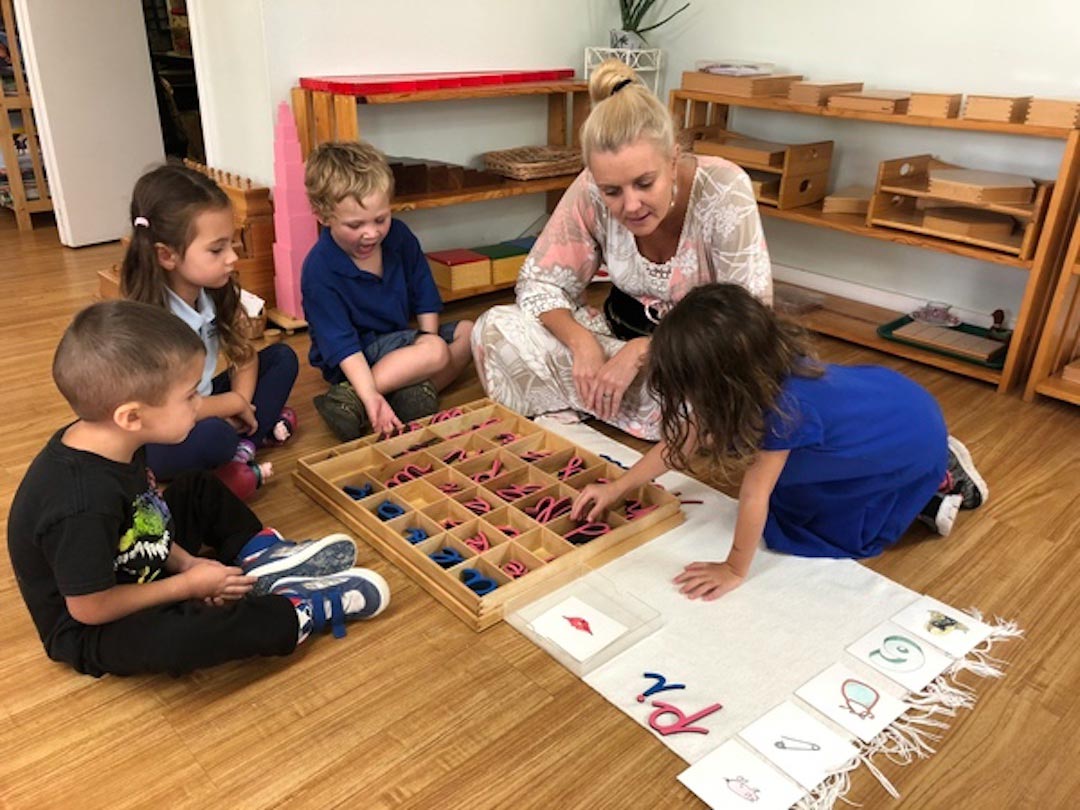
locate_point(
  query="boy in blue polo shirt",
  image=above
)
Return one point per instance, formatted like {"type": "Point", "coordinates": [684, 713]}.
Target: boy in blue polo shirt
{"type": "Point", "coordinates": [363, 283]}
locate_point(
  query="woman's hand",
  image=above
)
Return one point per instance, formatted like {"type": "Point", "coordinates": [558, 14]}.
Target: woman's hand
{"type": "Point", "coordinates": [589, 358]}
{"type": "Point", "coordinates": [708, 580]}
{"type": "Point", "coordinates": [615, 377]}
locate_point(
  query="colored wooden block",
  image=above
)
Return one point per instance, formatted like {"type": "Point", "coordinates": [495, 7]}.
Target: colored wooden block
{"type": "Point", "coordinates": [526, 242]}
{"type": "Point", "coordinates": [935, 105]}
{"type": "Point", "coordinates": [818, 93]}
{"type": "Point", "coordinates": [506, 261]}
{"type": "Point", "coordinates": [773, 84]}
{"type": "Point", "coordinates": [972, 185]}
{"type": "Point", "coordinates": [410, 175]}
{"type": "Point", "coordinates": [460, 269]}
{"type": "Point", "coordinates": [1004, 109]}
{"type": "Point", "coordinates": [889, 102]}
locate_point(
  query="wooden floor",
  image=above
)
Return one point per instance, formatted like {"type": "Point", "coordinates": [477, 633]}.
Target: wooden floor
{"type": "Point", "coordinates": [414, 710]}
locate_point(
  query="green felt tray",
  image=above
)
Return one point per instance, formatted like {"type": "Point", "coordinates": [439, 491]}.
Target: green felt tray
{"type": "Point", "coordinates": [886, 331]}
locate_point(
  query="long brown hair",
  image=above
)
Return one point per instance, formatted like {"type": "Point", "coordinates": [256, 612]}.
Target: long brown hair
{"type": "Point", "coordinates": [169, 198]}
{"type": "Point", "coordinates": [718, 360]}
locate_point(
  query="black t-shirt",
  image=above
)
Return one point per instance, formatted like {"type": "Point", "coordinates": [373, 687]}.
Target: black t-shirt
{"type": "Point", "coordinates": [80, 524]}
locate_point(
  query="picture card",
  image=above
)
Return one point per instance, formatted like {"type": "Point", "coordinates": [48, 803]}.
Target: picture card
{"type": "Point", "coordinates": [945, 627]}
{"type": "Point", "coordinates": [895, 653]}
{"type": "Point", "coordinates": [578, 627]}
{"type": "Point", "coordinates": [802, 747]}
{"type": "Point", "coordinates": [732, 778]}
{"type": "Point", "coordinates": [857, 704]}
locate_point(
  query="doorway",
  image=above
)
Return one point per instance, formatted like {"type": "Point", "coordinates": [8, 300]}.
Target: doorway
{"type": "Point", "coordinates": [168, 37]}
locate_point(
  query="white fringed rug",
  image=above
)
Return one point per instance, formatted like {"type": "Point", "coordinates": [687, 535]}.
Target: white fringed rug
{"type": "Point", "coordinates": [752, 649]}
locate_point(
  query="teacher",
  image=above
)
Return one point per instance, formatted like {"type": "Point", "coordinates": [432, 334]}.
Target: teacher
{"type": "Point", "coordinates": [661, 222]}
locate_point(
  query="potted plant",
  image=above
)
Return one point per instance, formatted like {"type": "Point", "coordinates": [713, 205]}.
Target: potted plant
{"type": "Point", "coordinates": [632, 34]}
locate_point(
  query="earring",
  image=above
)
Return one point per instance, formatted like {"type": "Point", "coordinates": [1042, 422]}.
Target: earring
{"type": "Point", "coordinates": [674, 193]}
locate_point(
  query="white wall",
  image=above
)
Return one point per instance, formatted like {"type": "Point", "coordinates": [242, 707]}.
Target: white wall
{"type": "Point", "coordinates": [989, 46]}
{"type": "Point", "coordinates": [249, 53]}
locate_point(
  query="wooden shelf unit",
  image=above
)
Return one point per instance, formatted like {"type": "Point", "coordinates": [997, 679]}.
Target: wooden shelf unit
{"type": "Point", "coordinates": [697, 111]}
{"type": "Point", "coordinates": [19, 103]}
{"type": "Point", "coordinates": [324, 116]}
{"type": "Point", "coordinates": [1060, 341]}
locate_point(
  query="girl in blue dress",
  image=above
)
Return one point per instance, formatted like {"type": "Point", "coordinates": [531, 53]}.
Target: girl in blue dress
{"type": "Point", "coordinates": [838, 460]}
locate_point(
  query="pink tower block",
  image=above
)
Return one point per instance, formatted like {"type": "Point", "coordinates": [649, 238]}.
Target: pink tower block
{"type": "Point", "coordinates": [295, 227]}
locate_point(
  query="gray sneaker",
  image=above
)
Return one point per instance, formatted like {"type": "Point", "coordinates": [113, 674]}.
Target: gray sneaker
{"type": "Point", "coordinates": [343, 412]}
{"type": "Point", "coordinates": [964, 478]}
{"type": "Point", "coordinates": [414, 401]}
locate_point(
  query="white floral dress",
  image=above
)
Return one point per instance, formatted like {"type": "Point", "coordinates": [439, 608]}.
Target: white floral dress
{"type": "Point", "coordinates": [523, 366]}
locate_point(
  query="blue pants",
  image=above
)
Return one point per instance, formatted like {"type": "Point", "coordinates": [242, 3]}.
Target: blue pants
{"type": "Point", "coordinates": [212, 442]}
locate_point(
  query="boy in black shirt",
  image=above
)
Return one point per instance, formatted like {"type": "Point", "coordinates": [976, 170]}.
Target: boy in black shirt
{"type": "Point", "coordinates": [108, 566]}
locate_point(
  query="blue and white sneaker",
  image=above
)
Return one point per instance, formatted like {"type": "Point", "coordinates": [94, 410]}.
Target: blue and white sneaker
{"type": "Point", "coordinates": [345, 596]}
{"type": "Point", "coordinates": [269, 557]}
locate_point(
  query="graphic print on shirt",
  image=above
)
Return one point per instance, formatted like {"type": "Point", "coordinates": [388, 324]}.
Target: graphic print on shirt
{"type": "Point", "coordinates": [141, 552]}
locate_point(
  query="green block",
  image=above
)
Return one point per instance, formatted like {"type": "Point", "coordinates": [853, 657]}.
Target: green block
{"type": "Point", "coordinates": [500, 251]}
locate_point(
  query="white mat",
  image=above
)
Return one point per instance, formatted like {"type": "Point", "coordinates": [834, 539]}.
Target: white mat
{"type": "Point", "coordinates": [750, 650]}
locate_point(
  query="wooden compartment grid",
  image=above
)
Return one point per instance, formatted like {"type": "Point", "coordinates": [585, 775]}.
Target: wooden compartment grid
{"type": "Point", "coordinates": [541, 549]}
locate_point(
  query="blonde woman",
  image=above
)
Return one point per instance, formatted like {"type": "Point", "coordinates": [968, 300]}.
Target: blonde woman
{"type": "Point", "coordinates": [662, 222]}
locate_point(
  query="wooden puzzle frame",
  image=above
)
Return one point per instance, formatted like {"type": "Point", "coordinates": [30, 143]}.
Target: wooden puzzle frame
{"type": "Point", "coordinates": [490, 441]}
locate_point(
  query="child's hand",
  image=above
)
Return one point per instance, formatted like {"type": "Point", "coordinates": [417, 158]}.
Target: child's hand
{"type": "Point", "coordinates": [214, 582]}
{"type": "Point", "coordinates": [243, 417]}
{"type": "Point", "coordinates": [707, 580]}
{"type": "Point", "coordinates": [600, 496]}
{"type": "Point", "coordinates": [382, 416]}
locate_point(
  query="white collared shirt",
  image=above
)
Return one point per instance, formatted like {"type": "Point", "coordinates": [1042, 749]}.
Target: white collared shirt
{"type": "Point", "coordinates": [203, 319]}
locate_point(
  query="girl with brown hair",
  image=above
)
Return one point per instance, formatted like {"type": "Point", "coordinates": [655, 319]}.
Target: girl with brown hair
{"type": "Point", "coordinates": [837, 461]}
{"type": "Point", "coordinates": [181, 259]}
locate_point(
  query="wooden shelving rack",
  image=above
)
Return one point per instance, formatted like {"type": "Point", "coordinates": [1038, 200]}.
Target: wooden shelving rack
{"type": "Point", "coordinates": [30, 196]}
{"type": "Point", "coordinates": [324, 116]}
{"type": "Point", "coordinates": [1060, 341]}
{"type": "Point", "coordinates": [857, 322]}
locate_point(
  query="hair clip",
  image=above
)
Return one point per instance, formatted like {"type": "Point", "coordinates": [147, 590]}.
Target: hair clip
{"type": "Point", "coordinates": [140, 222]}
{"type": "Point", "coordinates": [477, 582]}
{"type": "Point", "coordinates": [619, 85]}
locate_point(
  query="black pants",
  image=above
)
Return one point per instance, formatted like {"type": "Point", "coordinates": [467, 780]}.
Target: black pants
{"type": "Point", "coordinates": [183, 636]}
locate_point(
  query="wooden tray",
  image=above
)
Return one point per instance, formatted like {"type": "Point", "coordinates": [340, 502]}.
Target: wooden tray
{"type": "Point", "coordinates": [997, 361]}
{"type": "Point", "coordinates": [447, 451]}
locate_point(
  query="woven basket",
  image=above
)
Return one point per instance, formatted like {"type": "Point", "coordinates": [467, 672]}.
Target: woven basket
{"type": "Point", "coordinates": [532, 162]}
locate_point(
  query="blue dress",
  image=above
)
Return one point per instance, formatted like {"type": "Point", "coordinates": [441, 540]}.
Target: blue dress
{"type": "Point", "coordinates": [868, 450]}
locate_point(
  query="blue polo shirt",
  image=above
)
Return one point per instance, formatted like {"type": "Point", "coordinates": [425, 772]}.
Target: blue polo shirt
{"type": "Point", "coordinates": [347, 308]}
{"type": "Point", "coordinates": [203, 319]}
